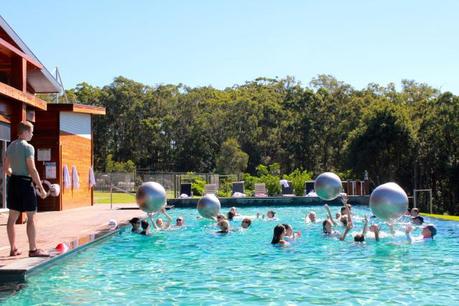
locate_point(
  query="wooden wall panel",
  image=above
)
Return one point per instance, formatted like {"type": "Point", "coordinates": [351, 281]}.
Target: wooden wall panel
{"type": "Point", "coordinates": [46, 136]}
{"type": "Point", "coordinates": [76, 151]}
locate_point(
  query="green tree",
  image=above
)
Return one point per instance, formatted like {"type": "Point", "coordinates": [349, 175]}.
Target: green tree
{"type": "Point", "coordinates": [232, 160]}
{"type": "Point", "coordinates": [383, 144]}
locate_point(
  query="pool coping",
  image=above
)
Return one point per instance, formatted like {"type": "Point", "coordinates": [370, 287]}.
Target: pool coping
{"type": "Point", "coordinates": [19, 271]}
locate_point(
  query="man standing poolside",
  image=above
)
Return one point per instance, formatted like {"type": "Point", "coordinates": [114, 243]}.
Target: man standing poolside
{"type": "Point", "coordinates": [19, 165]}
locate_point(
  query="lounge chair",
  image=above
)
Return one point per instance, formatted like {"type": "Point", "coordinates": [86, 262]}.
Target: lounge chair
{"type": "Point", "coordinates": [260, 190]}
{"type": "Point", "coordinates": [238, 187]}
{"type": "Point", "coordinates": [185, 190]}
{"type": "Point", "coordinates": [287, 189]}
{"type": "Point", "coordinates": [308, 187]}
{"type": "Point", "coordinates": [211, 189]}
{"type": "Point", "coordinates": [238, 190]}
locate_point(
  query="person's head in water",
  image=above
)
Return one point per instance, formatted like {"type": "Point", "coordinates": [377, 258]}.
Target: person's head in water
{"type": "Point", "coordinates": [25, 130]}
{"type": "Point", "coordinates": [220, 217]}
{"type": "Point", "coordinates": [418, 220]}
{"type": "Point", "coordinates": [271, 214]}
{"type": "Point", "coordinates": [231, 215]}
{"type": "Point", "coordinates": [135, 222]}
{"type": "Point", "coordinates": [278, 234]}
{"type": "Point", "coordinates": [414, 212]}
{"type": "Point", "coordinates": [246, 222]}
{"type": "Point", "coordinates": [327, 227]}
{"type": "Point", "coordinates": [145, 227]}
{"type": "Point", "coordinates": [179, 221]}
{"type": "Point", "coordinates": [312, 217]}
{"type": "Point", "coordinates": [288, 230]}
{"type": "Point", "coordinates": [233, 210]}
{"type": "Point", "coordinates": [224, 226]}
{"type": "Point", "coordinates": [429, 231]}
{"type": "Point", "coordinates": [359, 238]}
{"type": "Point", "coordinates": [159, 222]}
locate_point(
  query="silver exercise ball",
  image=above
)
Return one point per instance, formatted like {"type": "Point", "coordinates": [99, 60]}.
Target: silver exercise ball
{"type": "Point", "coordinates": [388, 201]}
{"type": "Point", "coordinates": [209, 206]}
{"type": "Point", "coordinates": [328, 186]}
{"type": "Point", "coordinates": [151, 197]}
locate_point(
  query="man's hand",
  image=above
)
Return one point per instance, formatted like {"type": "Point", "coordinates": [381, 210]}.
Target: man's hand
{"type": "Point", "coordinates": [42, 193]}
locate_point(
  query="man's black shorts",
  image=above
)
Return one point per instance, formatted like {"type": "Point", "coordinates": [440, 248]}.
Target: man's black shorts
{"type": "Point", "coordinates": [20, 194]}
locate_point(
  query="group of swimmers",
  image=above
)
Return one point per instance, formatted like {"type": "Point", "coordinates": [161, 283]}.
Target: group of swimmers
{"type": "Point", "coordinates": [283, 233]}
{"type": "Point", "coordinates": [143, 226]}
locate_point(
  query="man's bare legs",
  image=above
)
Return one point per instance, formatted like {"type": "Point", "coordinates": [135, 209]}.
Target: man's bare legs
{"type": "Point", "coordinates": [12, 217]}
{"type": "Point", "coordinates": [31, 232]}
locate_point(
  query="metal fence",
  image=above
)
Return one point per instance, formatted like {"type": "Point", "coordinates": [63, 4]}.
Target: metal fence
{"type": "Point", "coordinates": [171, 181]}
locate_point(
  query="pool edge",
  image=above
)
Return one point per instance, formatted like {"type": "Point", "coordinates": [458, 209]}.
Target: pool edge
{"type": "Point", "coordinates": [36, 265]}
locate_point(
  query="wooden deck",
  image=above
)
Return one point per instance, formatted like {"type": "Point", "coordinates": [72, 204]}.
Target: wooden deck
{"type": "Point", "coordinates": [72, 226]}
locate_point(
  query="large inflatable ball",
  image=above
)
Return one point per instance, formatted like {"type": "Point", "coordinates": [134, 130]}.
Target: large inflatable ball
{"type": "Point", "coordinates": [209, 206]}
{"type": "Point", "coordinates": [328, 186]}
{"type": "Point", "coordinates": [388, 201]}
{"type": "Point", "coordinates": [151, 197]}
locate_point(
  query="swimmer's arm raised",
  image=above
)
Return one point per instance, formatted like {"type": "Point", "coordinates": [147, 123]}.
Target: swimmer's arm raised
{"type": "Point", "coordinates": [408, 230]}
{"type": "Point", "coordinates": [348, 228]}
{"type": "Point", "coordinates": [365, 226]}
{"type": "Point", "coordinates": [169, 218]}
{"type": "Point", "coordinates": [329, 214]}
{"type": "Point", "coordinates": [349, 218]}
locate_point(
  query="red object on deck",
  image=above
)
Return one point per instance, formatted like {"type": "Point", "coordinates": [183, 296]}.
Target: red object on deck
{"type": "Point", "coordinates": [62, 247]}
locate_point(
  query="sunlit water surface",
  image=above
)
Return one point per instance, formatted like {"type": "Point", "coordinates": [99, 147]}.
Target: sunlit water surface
{"type": "Point", "coordinates": [193, 265]}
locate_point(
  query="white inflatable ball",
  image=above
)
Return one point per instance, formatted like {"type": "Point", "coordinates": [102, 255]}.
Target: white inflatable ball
{"type": "Point", "coordinates": [388, 201]}
{"type": "Point", "coordinates": [52, 189]}
{"type": "Point", "coordinates": [112, 223]}
{"type": "Point", "coordinates": [151, 197]}
{"type": "Point", "coordinates": [328, 186]}
{"type": "Point", "coordinates": [209, 206]}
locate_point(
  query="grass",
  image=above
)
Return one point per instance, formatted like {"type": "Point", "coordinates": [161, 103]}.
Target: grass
{"type": "Point", "coordinates": [443, 217]}
{"type": "Point", "coordinates": [102, 197]}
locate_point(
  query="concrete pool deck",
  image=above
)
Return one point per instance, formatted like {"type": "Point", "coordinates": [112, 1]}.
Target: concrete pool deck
{"type": "Point", "coordinates": [75, 227]}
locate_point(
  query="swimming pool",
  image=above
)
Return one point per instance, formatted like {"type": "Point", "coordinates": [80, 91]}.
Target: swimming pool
{"type": "Point", "coordinates": [196, 266]}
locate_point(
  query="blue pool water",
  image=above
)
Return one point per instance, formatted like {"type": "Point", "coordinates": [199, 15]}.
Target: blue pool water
{"type": "Point", "coordinates": [195, 266]}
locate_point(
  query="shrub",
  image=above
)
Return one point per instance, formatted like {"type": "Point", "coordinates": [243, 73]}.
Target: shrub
{"type": "Point", "coordinates": [298, 178]}
{"type": "Point", "coordinates": [197, 186]}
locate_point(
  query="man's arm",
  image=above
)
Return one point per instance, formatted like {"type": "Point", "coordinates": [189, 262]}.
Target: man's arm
{"type": "Point", "coordinates": [35, 176]}
{"type": "Point", "coordinates": [6, 166]}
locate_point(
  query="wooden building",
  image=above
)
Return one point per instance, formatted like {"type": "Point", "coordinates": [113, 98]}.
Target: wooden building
{"type": "Point", "coordinates": [62, 136]}
{"type": "Point", "coordinates": [63, 142]}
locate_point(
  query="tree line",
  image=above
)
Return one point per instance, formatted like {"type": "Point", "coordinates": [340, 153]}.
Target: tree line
{"type": "Point", "coordinates": [408, 135]}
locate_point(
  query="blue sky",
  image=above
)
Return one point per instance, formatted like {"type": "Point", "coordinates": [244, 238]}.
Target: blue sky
{"type": "Point", "coordinates": [222, 43]}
